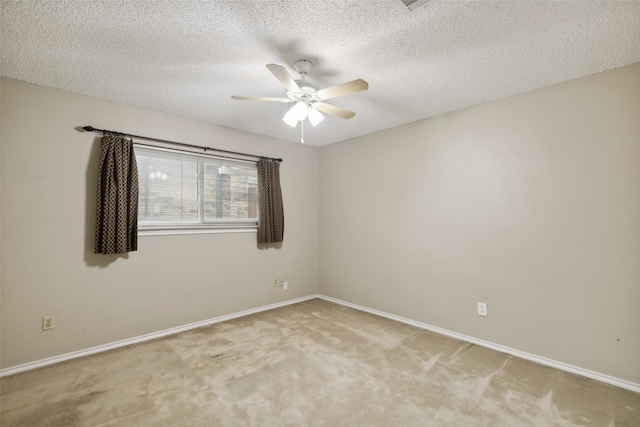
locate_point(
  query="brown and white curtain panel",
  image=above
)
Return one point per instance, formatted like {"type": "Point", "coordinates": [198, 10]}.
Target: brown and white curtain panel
{"type": "Point", "coordinates": [117, 201]}
{"type": "Point", "coordinates": [271, 220]}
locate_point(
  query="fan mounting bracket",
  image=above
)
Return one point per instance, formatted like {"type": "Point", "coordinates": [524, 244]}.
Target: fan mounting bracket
{"type": "Point", "coordinates": [303, 66]}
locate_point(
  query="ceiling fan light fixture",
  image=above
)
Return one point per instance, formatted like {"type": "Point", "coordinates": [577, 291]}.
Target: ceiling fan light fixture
{"type": "Point", "coordinates": [300, 110]}
{"type": "Point", "coordinates": [295, 114]}
{"type": "Point", "coordinates": [315, 116]}
{"type": "Point", "coordinates": [291, 117]}
{"type": "Point", "coordinates": [308, 101]}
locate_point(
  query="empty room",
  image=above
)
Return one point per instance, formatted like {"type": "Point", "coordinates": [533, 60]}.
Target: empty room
{"type": "Point", "coordinates": [319, 213]}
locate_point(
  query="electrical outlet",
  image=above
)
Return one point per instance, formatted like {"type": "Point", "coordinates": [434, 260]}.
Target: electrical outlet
{"type": "Point", "coordinates": [48, 322]}
{"type": "Point", "coordinates": [276, 283]}
{"type": "Point", "coordinates": [482, 309]}
{"type": "Point", "coordinates": [285, 286]}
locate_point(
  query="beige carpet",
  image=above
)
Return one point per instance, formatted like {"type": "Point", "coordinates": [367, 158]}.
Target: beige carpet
{"type": "Point", "coordinates": [310, 364]}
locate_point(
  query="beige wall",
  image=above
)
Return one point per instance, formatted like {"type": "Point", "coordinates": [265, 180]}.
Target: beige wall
{"type": "Point", "coordinates": [48, 179]}
{"type": "Point", "coordinates": [530, 204]}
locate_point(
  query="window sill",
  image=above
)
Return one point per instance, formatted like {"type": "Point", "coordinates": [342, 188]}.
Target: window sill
{"type": "Point", "coordinates": [174, 231]}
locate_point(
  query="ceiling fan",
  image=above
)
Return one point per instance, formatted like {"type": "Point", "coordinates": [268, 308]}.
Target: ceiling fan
{"type": "Point", "coordinates": [308, 101]}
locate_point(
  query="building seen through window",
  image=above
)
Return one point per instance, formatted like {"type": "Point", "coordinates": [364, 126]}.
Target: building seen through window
{"type": "Point", "coordinates": [178, 190]}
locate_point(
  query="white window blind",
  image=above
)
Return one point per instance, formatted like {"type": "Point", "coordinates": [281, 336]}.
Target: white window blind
{"type": "Point", "coordinates": [179, 191]}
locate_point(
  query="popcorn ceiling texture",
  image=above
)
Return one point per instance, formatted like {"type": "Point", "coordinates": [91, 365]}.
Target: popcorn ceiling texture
{"type": "Point", "coordinates": [188, 57]}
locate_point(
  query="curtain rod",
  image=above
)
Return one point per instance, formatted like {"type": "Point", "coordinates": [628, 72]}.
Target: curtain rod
{"type": "Point", "coordinates": [92, 129]}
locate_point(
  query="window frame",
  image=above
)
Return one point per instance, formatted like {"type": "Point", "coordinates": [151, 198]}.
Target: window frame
{"type": "Point", "coordinates": [200, 226]}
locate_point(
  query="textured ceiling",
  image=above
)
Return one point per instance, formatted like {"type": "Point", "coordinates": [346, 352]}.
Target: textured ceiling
{"type": "Point", "coordinates": [188, 57]}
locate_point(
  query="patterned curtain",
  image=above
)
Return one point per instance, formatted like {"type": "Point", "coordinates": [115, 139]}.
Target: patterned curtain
{"type": "Point", "coordinates": [271, 220]}
{"type": "Point", "coordinates": [117, 204]}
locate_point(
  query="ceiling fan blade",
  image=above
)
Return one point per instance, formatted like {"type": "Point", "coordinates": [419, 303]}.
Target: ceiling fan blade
{"type": "Point", "coordinates": [353, 86]}
{"type": "Point", "coordinates": [283, 76]}
{"type": "Point", "coordinates": [261, 98]}
{"type": "Point", "coordinates": [333, 110]}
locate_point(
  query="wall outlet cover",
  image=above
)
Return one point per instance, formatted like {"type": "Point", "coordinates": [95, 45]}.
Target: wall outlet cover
{"type": "Point", "coordinates": [48, 322]}
{"type": "Point", "coordinates": [482, 309]}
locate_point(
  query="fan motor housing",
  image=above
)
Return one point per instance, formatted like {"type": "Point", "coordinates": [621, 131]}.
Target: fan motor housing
{"type": "Point", "coordinates": [307, 91]}
{"type": "Point", "coordinates": [306, 87]}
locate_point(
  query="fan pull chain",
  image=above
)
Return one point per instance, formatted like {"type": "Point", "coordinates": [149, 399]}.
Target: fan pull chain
{"type": "Point", "coordinates": [302, 131]}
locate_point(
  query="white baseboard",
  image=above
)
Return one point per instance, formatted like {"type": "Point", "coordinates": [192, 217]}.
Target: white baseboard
{"type": "Point", "coordinates": [528, 356]}
{"type": "Point", "coordinates": [147, 337]}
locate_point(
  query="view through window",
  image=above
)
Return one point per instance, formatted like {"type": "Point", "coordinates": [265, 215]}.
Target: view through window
{"type": "Point", "coordinates": [184, 190]}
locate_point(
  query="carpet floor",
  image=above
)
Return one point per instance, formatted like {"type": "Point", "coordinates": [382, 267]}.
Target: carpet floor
{"type": "Point", "coordinates": [314, 363]}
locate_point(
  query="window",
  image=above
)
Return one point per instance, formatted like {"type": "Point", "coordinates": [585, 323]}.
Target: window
{"type": "Point", "coordinates": [185, 191]}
